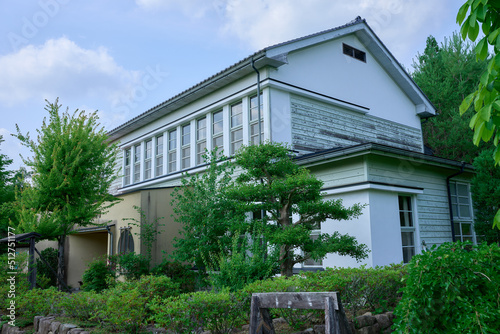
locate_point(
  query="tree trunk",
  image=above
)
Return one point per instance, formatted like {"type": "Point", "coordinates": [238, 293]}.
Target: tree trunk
{"type": "Point", "coordinates": [60, 263]}
{"type": "Point", "coordinates": [286, 260]}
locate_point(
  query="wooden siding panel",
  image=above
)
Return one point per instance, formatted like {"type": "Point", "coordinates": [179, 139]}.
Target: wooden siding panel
{"type": "Point", "coordinates": [432, 205]}
{"type": "Point", "coordinates": [317, 126]}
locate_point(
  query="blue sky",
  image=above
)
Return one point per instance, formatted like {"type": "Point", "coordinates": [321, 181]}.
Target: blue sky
{"type": "Point", "coordinates": [123, 57]}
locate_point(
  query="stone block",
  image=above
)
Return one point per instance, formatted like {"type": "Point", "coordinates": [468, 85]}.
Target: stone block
{"type": "Point", "coordinates": [36, 322]}
{"type": "Point", "coordinates": [65, 328]}
{"type": "Point", "coordinates": [319, 329]}
{"type": "Point", "coordinates": [383, 320]}
{"type": "Point", "coordinates": [44, 325]}
{"type": "Point", "coordinates": [364, 320]}
{"type": "Point", "coordinates": [54, 327]}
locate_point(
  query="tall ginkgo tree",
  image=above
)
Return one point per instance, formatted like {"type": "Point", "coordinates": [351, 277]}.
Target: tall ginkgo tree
{"type": "Point", "coordinates": [73, 168]}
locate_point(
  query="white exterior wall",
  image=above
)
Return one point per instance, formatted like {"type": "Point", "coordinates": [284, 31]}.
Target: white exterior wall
{"type": "Point", "coordinates": [360, 228]}
{"type": "Point", "coordinates": [324, 69]}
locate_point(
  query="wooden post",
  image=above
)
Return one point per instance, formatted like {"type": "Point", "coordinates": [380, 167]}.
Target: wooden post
{"type": "Point", "coordinates": [31, 264]}
{"type": "Point", "coordinates": [261, 322]}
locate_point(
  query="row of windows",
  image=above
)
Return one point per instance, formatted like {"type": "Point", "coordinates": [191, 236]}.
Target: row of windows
{"type": "Point", "coordinates": [462, 217]}
{"type": "Point", "coordinates": [148, 159]}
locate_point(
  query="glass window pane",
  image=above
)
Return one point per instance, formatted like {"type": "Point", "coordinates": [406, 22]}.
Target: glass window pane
{"type": "Point", "coordinates": [172, 140]}
{"type": "Point", "coordinates": [463, 200]}
{"type": "Point", "coordinates": [456, 226]}
{"type": "Point", "coordinates": [466, 229]}
{"type": "Point", "coordinates": [462, 190]}
{"type": "Point", "coordinates": [408, 253]}
{"type": "Point", "coordinates": [218, 142]}
{"type": "Point", "coordinates": [407, 238]}
{"type": "Point", "coordinates": [186, 134]}
{"type": "Point", "coordinates": [464, 211]}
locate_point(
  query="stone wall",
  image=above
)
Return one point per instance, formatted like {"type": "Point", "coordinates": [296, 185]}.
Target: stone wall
{"type": "Point", "coordinates": [46, 325]}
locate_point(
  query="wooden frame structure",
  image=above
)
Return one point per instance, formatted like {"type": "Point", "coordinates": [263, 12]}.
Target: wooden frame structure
{"type": "Point", "coordinates": [335, 318]}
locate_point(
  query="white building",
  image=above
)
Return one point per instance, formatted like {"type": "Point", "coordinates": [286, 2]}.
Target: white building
{"type": "Point", "coordinates": [349, 109]}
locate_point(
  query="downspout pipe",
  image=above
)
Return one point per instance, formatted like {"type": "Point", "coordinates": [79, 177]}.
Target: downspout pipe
{"type": "Point", "coordinates": [111, 240]}
{"type": "Point", "coordinates": [450, 207]}
{"type": "Point", "coordinates": [258, 99]}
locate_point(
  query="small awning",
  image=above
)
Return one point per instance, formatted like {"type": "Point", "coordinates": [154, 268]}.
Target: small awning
{"type": "Point", "coordinates": [21, 237]}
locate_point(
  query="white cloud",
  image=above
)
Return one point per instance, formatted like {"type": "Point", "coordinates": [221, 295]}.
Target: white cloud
{"type": "Point", "coordinates": [262, 23]}
{"type": "Point", "coordinates": [191, 8]}
{"type": "Point", "coordinates": [62, 68]}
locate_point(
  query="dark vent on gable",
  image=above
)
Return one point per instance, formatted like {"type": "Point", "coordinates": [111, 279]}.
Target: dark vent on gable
{"type": "Point", "coordinates": [353, 52]}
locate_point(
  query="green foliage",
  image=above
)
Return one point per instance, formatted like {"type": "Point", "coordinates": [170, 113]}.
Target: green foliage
{"type": "Point", "coordinates": [486, 196]}
{"type": "Point", "coordinates": [178, 273]}
{"type": "Point", "coordinates": [452, 289]}
{"type": "Point", "coordinates": [73, 167]}
{"type": "Point", "coordinates": [218, 312]}
{"type": "Point", "coordinates": [148, 230]}
{"type": "Point", "coordinates": [21, 283]}
{"type": "Point", "coordinates": [446, 74]}
{"type": "Point", "coordinates": [131, 265]}
{"type": "Point", "coordinates": [43, 270]}
{"type": "Point", "coordinates": [369, 289]}
{"type": "Point", "coordinates": [248, 261]}
{"type": "Point", "coordinates": [473, 15]}
{"type": "Point", "coordinates": [82, 305]}
{"type": "Point", "coordinates": [125, 307]}
{"type": "Point", "coordinates": [272, 182]}
{"type": "Point", "coordinates": [39, 302]}
{"type": "Point", "coordinates": [208, 216]}
{"type": "Point", "coordinates": [98, 276]}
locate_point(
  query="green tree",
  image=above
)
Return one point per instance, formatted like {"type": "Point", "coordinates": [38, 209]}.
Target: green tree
{"type": "Point", "coordinates": [446, 74]}
{"type": "Point", "coordinates": [486, 196]}
{"type": "Point", "coordinates": [73, 168]}
{"type": "Point", "coordinates": [208, 216]}
{"type": "Point", "coordinates": [273, 183]}
{"type": "Point", "coordinates": [474, 15]}
{"type": "Point", "coordinates": [6, 194]}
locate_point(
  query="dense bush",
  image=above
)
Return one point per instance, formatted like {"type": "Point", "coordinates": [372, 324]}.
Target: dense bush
{"type": "Point", "coordinates": [454, 288]}
{"type": "Point", "coordinates": [125, 308]}
{"type": "Point", "coordinates": [39, 302]}
{"type": "Point", "coordinates": [179, 273]}
{"type": "Point", "coordinates": [98, 275]}
{"type": "Point", "coordinates": [369, 289]}
{"type": "Point", "coordinates": [21, 279]}
{"type": "Point", "coordinates": [45, 271]}
{"type": "Point", "coordinates": [131, 265]}
{"type": "Point", "coordinates": [195, 312]}
{"type": "Point", "coordinates": [238, 268]}
{"type": "Point", "coordinates": [83, 305]}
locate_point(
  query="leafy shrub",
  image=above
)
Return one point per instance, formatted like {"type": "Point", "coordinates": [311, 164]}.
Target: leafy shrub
{"type": "Point", "coordinates": [122, 310]}
{"type": "Point", "coordinates": [97, 276]}
{"type": "Point", "coordinates": [50, 256]}
{"type": "Point", "coordinates": [131, 265]}
{"type": "Point", "coordinates": [21, 282]}
{"type": "Point", "coordinates": [82, 305]}
{"type": "Point", "coordinates": [39, 302]}
{"type": "Point", "coordinates": [454, 288]}
{"type": "Point", "coordinates": [371, 289]}
{"type": "Point", "coordinates": [178, 273]}
{"type": "Point", "coordinates": [195, 312]}
{"type": "Point", "coordinates": [237, 269]}
{"type": "Point", "coordinates": [125, 307]}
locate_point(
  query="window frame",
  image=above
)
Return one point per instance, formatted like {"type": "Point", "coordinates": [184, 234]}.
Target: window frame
{"type": "Point", "coordinates": [127, 160]}
{"type": "Point", "coordinates": [159, 155]}
{"type": "Point", "coordinates": [353, 52]}
{"type": "Point", "coordinates": [137, 163]}
{"type": "Point", "coordinates": [148, 159]}
{"type": "Point", "coordinates": [201, 141]}
{"type": "Point", "coordinates": [172, 151]}
{"type": "Point", "coordinates": [254, 122]}
{"type": "Point", "coordinates": [410, 228]}
{"type": "Point", "coordinates": [235, 129]}
{"type": "Point", "coordinates": [186, 146]}
{"type": "Point", "coordinates": [459, 220]}
{"type": "Point", "coordinates": [219, 134]}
